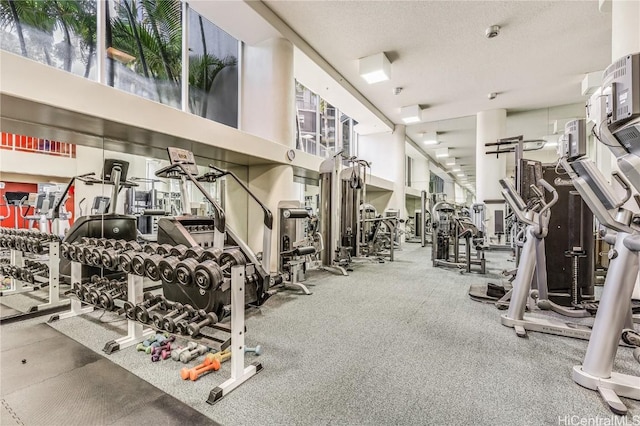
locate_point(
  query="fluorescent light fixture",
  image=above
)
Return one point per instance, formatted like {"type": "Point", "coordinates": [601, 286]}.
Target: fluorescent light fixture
{"type": "Point", "coordinates": [442, 152]}
{"type": "Point", "coordinates": [455, 169]}
{"type": "Point", "coordinates": [375, 68]}
{"type": "Point", "coordinates": [431, 138]}
{"type": "Point", "coordinates": [411, 114]}
{"type": "Point", "coordinates": [460, 174]}
{"type": "Point", "coordinates": [451, 161]}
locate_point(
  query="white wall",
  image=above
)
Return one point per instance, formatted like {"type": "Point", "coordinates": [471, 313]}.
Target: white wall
{"type": "Point", "coordinates": [538, 124]}
{"type": "Point", "coordinates": [420, 173]}
{"type": "Point", "coordinates": [376, 148]}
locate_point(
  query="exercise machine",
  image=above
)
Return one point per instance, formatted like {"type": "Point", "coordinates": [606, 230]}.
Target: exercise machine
{"type": "Point", "coordinates": [299, 243]}
{"type": "Point", "coordinates": [108, 225]}
{"type": "Point", "coordinates": [212, 233]}
{"type": "Point", "coordinates": [448, 228]}
{"type": "Point", "coordinates": [616, 112]}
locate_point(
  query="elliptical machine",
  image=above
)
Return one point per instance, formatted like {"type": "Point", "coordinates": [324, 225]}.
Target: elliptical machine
{"type": "Point", "coordinates": [615, 110]}
{"type": "Point", "coordinates": [532, 269]}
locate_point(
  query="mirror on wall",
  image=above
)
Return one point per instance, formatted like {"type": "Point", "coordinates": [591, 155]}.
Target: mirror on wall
{"type": "Point", "coordinates": [53, 187]}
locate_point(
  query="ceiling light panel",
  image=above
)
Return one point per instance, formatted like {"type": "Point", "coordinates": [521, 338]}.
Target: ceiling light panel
{"type": "Point", "coordinates": [375, 68]}
{"type": "Point", "coordinates": [431, 138]}
{"type": "Point", "coordinates": [442, 152]}
{"type": "Point", "coordinates": [411, 114]}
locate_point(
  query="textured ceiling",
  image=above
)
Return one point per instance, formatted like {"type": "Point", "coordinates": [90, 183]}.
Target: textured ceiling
{"type": "Point", "coordinates": [443, 61]}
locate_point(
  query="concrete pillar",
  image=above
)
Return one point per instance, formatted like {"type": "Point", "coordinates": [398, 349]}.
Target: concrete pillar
{"type": "Point", "coordinates": [490, 126]}
{"type": "Point", "coordinates": [397, 157]}
{"type": "Point", "coordinates": [625, 28]}
{"type": "Point", "coordinates": [625, 39]}
{"type": "Point", "coordinates": [267, 109]}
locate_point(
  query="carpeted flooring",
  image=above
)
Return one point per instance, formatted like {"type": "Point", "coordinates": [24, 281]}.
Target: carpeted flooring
{"type": "Point", "coordinates": [393, 343]}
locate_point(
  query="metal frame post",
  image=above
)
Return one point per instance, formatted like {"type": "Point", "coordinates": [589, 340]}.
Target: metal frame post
{"type": "Point", "coordinates": [239, 374]}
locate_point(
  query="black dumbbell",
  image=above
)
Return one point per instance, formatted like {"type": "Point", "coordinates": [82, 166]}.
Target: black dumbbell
{"type": "Point", "coordinates": [164, 249]}
{"type": "Point", "coordinates": [167, 269]}
{"type": "Point", "coordinates": [169, 323]}
{"type": "Point", "coordinates": [208, 275]}
{"type": "Point", "coordinates": [194, 252]}
{"type": "Point", "coordinates": [109, 257]}
{"type": "Point", "coordinates": [137, 263]}
{"type": "Point", "coordinates": [125, 260]}
{"type": "Point", "coordinates": [129, 308]}
{"type": "Point", "coordinates": [158, 318]}
{"type": "Point", "coordinates": [211, 254]}
{"type": "Point", "coordinates": [142, 313]}
{"type": "Point", "coordinates": [194, 328]}
{"type": "Point", "coordinates": [185, 271]}
{"type": "Point", "coordinates": [132, 245]}
{"type": "Point", "coordinates": [178, 251]}
{"type": "Point", "coordinates": [95, 258]}
{"type": "Point", "coordinates": [151, 269]}
{"type": "Point", "coordinates": [151, 248]}
{"type": "Point", "coordinates": [108, 297]}
{"type": "Point", "coordinates": [182, 325]}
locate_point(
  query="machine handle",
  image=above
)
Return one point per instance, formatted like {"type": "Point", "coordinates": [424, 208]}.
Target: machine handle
{"type": "Point", "coordinates": [268, 216]}
{"type": "Point", "coordinates": [625, 185]}
{"type": "Point", "coordinates": [546, 185]}
{"type": "Point", "coordinates": [517, 211]}
{"type": "Point", "coordinates": [542, 216]}
{"type": "Point", "coordinates": [539, 194]}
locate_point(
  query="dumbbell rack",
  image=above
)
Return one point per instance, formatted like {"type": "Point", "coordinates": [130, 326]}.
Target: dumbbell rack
{"type": "Point", "coordinates": [239, 373]}
{"type": "Point", "coordinates": [19, 286]}
{"type": "Point", "coordinates": [136, 332]}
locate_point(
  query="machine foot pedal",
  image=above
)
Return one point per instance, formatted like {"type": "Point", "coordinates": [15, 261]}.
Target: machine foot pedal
{"type": "Point", "coordinates": [613, 401]}
{"type": "Point", "coordinates": [53, 318]}
{"type": "Point", "coordinates": [111, 347]}
{"type": "Point", "coordinates": [496, 291]}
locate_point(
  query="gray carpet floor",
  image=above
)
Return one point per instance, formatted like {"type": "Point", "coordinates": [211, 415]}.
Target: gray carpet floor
{"type": "Point", "coordinates": [393, 343]}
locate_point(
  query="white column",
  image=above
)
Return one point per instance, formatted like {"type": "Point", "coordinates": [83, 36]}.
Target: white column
{"type": "Point", "coordinates": [490, 126]}
{"type": "Point", "coordinates": [397, 157]}
{"type": "Point", "coordinates": [625, 28]}
{"type": "Point", "coordinates": [268, 110]}
{"type": "Point", "coordinates": [625, 39]}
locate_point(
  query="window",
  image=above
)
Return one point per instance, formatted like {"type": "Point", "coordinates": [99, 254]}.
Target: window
{"type": "Point", "coordinates": [61, 34]}
{"type": "Point", "coordinates": [436, 184]}
{"type": "Point", "coordinates": [321, 128]}
{"type": "Point", "coordinates": [408, 170]}
{"type": "Point", "coordinates": [144, 48]}
{"type": "Point", "coordinates": [213, 71]}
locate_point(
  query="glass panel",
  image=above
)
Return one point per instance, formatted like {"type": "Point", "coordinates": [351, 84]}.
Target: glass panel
{"type": "Point", "coordinates": [213, 72]}
{"type": "Point", "coordinates": [307, 115]}
{"type": "Point", "coordinates": [328, 128]}
{"type": "Point", "coordinates": [61, 34]}
{"type": "Point", "coordinates": [144, 48]}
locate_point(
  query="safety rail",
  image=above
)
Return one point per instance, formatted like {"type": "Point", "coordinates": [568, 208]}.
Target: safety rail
{"type": "Point", "coordinates": [13, 142]}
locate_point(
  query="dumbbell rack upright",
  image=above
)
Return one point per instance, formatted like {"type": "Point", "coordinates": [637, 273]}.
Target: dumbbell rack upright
{"type": "Point", "coordinates": [136, 332]}
{"type": "Point", "coordinates": [239, 373]}
{"type": "Point", "coordinates": [19, 286]}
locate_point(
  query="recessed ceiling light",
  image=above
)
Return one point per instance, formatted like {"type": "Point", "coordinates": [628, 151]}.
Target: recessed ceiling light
{"type": "Point", "coordinates": [375, 68]}
{"type": "Point", "coordinates": [455, 169]}
{"type": "Point", "coordinates": [460, 174]}
{"type": "Point", "coordinates": [451, 161]}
